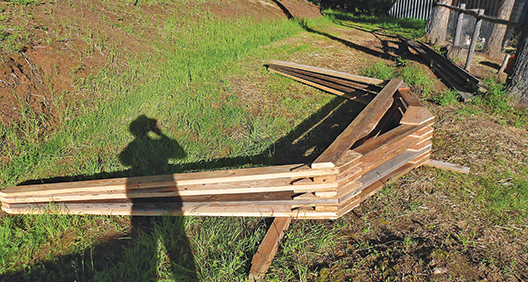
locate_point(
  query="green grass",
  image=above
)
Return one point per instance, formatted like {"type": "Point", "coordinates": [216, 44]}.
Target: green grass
{"type": "Point", "coordinates": [448, 97]}
{"type": "Point", "coordinates": [190, 86]}
{"type": "Point", "coordinates": [380, 70]}
{"type": "Point", "coordinates": [186, 88]}
{"type": "Point", "coordinates": [408, 28]}
{"type": "Point", "coordinates": [411, 73]}
{"type": "Point", "coordinates": [497, 103]}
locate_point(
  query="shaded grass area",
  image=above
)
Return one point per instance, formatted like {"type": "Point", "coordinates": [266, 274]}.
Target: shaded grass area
{"type": "Point", "coordinates": [408, 28]}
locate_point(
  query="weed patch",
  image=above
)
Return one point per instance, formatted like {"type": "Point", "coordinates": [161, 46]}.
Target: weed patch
{"type": "Point", "coordinates": [448, 97]}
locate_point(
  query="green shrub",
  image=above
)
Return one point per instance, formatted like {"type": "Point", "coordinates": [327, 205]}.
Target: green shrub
{"type": "Point", "coordinates": [414, 76]}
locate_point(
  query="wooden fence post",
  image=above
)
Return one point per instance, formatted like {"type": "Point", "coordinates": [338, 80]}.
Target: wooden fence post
{"type": "Point", "coordinates": [474, 40]}
{"type": "Point", "coordinates": [458, 32]}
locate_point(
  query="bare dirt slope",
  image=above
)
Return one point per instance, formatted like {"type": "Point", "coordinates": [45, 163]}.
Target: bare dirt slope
{"type": "Point", "coordinates": [60, 44]}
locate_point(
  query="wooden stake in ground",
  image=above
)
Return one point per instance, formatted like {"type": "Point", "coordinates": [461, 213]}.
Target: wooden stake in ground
{"type": "Point", "coordinates": [458, 32]}
{"type": "Point", "coordinates": [474, 40]}
{"type": "Point", "coordinates": [269, 246]}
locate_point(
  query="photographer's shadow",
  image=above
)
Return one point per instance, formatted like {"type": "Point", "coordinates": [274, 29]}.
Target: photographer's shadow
{"type": "Point", "coordinates": [149, 154]}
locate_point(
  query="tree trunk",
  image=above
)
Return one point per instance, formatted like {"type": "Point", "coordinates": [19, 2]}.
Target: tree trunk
{"type": "Point", "coordinates": [499, 31]}
{"type": "Point", "coordinates": [438, 25]}
{"type": "Point", "coordinates": [518, 80]}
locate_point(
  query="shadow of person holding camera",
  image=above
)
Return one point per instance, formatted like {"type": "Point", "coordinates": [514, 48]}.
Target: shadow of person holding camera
{"type": "Point", "coordinates": [147, 155]}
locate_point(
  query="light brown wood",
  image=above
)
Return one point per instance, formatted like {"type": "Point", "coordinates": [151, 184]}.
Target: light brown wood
{"type": "Point", "coordinates": [202, 211]}
{"type": "Point", "coordinates": [416, 116]}
{"type": "Point", "coordinates": [351, 203]}
{"type": "Point", "coordinates": [409, 97]}
{"type": "Point", "coordinates": [326, 79]}
{"type": "Point", "coordinates": [267, 249]}
{"type": "Point", "coordinates": [269, 186]}
{"type": "Point", "coordinates": [363, 124]}
{"type": "Point", "coordinates": [422, 132]}
{"type": "Point", "coordinates": [343, 91]}
{"type": "Point", "coordinates": [383, 170]}
{"type": "Point", "coordinates": [197, 178]}
{"type": "Point", "coordinates": [358, 78]}
{"type": "Point", "coordinates": [448, 166]}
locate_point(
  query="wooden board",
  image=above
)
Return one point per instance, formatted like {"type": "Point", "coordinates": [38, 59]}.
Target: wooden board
{"type": "Point", "coordinates": [312, 76]}
{"type": "Point", "coordinates": [358, 78]}
{"type": "Point", "coordinates": [448, 166]}
{"type": "Point", "coordinates": [275, 211]}
{"type": "Point", "coordinates": [416, 116]}
{"type": "Point", "coordinates": [267, 249]}
{"type": "Point", "coordinates": [363, 124]}
{"type": "Point", "coordinates": [344, 91]}
{"type": "Point", "coordinates": [382, 170]}
{"type": "Point", "coordinates": [250, 187]}
{"type": "Point", "coordinates": [183, 179]}
{"type": "Point", "coordinates": [409, 97]}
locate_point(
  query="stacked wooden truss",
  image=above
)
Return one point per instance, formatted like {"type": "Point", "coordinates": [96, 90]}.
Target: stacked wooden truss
{"type": "Point", "coordinates": [390, 137]}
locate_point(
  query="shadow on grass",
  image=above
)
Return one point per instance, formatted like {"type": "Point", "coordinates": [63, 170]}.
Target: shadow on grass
{"type": "Point", "coordinates": [490, 64]}
{"type": "Point", "coordinates": [136, 257]}
{"type": "Point", "coordinates": [401, 52]}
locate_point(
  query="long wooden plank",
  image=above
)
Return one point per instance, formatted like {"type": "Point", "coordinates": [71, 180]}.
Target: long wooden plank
{"type": "Point", "coordinates": [416, 116]}
{"type": "Point", "coordinates": [274, 211]}
{"type": "Point", "coordinates": [269, 186]}
{"type": "Point", "coordinates": [385, 153]}
{"type": "Point", "coordinates": [183, 203]}
{"type": "Point", "coordinates": [346, 92]}
{"type": "Point", "coordinates": [386, 146]}
{"type": "Point", "coordinates": [409, 97]}
{"type": "Point", "coordinates": [267, 249]}
{"type": "Point", "coordinates": [363, 124]}
{"type": "Point", "coordinates": [448, 166]}
{"type": "Point", "coordinates": [358, 78]}
{"type": "Point", "coordinates": [197, 178]}
{"type": "Point", "coordinates": [323, 77]}
{"type": "Point", "coordinates": [394, 135]}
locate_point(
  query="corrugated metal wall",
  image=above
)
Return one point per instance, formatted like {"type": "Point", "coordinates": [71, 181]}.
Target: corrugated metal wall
{"type": "Point", "coordinates": [422, 9]}
{"type": "Point", "coordinates": [415, 9]}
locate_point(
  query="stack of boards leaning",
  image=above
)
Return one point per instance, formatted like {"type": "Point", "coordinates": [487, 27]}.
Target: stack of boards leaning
{"type": "Point", "coordinates": [390, 137]}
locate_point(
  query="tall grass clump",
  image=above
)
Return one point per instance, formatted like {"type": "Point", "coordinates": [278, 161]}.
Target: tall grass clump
{"type": "Point", "coordinates": [380, 70]}
{"type": "Point", "coordinates": [448, 97]}
{"type": "Point", "coordinates": [414, 76]}
{"type": "Point", "coordinates": [497, 101]}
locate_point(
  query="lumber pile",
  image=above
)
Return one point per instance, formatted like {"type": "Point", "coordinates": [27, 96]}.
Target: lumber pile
{"type": "Point", "coordinates": [453, 75]}
{"type": "Point", "coordinates": [390, 137]}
